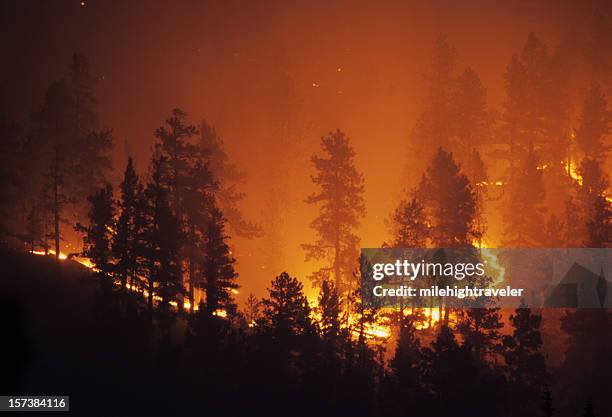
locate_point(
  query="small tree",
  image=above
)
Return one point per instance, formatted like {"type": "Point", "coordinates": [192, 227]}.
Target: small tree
{"type": "Point", "coordinates": [98, 234]}
{"type": "Point", "coordinates": [218, 267]}
{"type": "Point", "coordinates": [286, 312]}
{"type": "Point", "coordinates": [252, 307]}
{"type": "Point", "coordinates": [330, 308]}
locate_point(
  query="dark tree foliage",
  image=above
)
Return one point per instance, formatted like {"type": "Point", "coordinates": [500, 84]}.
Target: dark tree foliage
{"type": "Point", "coordinates": [449, 200]}
{"type": "Point", "coordinates": [161, 239]}
{"type": "Point", "coordinates": [479, 328]}
{"type": "Point", "coordinates": [592, 215]}
{"type": "Point", "coordinates": [252, 309]}
{"type": "Point", "coordinates": [536, 106]}
{"type": "Point", "coordinates": [180, 155]}
{"type": "Point", "coordinates": [600, 225]}
{"type": "Point", "coordinates": [286, 312]}
{"type": "Point", "coordinates": [525, 365]}
{"type": "Point", "coordinates": [587, 358]}
{"type": "Point", "coordinates": [525, 209]}
{"type": "Point", "coordinates": [340, 198]}
{"type": "Point", "coordinates": [98, 233]}
{"type": "Point", "coordinates": [451, 374]}
{"type": "Point", "coordinates": [403, 378]}
{"type": "Point", "coordinates": [125, 239]}
{"type": "Point", "coordinates": [191, 187]}
{"type": "Point", "coordinates": [594, 124]}
{"type": "Point", "coordinates": [330, 309]}
{"type": "Point", "coordinates": [409, 225]}
{"type": "Point", "coordinates": [218, 274]}
{"type": "Point", "coordinates": [573, 230]}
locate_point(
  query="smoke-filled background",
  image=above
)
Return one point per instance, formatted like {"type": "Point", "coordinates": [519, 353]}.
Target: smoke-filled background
{"type": "Point", "coordinates": [272, 78]}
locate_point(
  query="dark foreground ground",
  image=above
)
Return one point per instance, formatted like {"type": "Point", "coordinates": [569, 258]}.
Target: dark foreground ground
{"type": "Point", "coordinates": [62, 336]}
{"type": "Point", "coordinates": [57, 342]}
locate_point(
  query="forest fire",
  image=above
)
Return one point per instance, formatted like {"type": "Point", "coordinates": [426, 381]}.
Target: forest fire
{"type": "Point", "coordinates": [62, 256]}
{"type": "Point", "coordinates": [572, 171]}
{"type": "Point", "coordinates": [494, 269]}
{"type": "Point", "coordinates": [214, 175]}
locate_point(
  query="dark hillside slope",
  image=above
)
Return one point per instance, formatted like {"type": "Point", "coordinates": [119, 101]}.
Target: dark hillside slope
{"type": "Point", "coordinates": [62, 337]}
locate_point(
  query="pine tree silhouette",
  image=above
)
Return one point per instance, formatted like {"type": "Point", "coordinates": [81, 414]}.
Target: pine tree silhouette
{"type": "Point", "coordinates": [219, 277]}
{"type": "Point", "coordinates": [524, 360]}
{"type": "Point", "coordinates": [98, 233]}
{"type": "Point", "coordinates": [286, 312]}
{"type": "Point", "coordinates": [341, 208]}
{"type": "Point", "coordinates": [409, 225]}
{"type": "Point", "coordinates": [450, 202]}
{"type": "Point", "coordinates": [125, 243]}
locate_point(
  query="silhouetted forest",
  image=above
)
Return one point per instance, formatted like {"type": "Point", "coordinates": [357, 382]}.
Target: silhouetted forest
{"type": "Point", "coordinates": [123, 287]}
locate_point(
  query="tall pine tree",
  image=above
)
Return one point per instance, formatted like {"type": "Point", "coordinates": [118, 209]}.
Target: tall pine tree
{"type": "Point", "coordinates": [342, 206]}
{"type": "Point", "coordinates": [125, 240]}
{"type": "Point", "coordinates": [160, 239]}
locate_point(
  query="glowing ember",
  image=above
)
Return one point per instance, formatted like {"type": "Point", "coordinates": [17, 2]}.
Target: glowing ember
{"type": "Point", "coordinates": [486, 183]}
{"type": "Point", "coordinates": [431, 317]}
{"type": "Point", "coordinates": [571, 169]}
{"type": "Point", "coordinates": [377, 330]}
